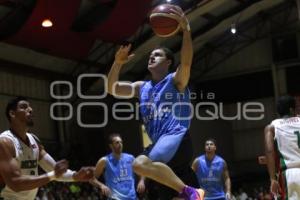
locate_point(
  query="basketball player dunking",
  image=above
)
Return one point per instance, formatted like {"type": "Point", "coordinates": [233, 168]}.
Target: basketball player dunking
{"type": "Point", "coordinates": [282, 140]}
{"type": "Point", "coordinates": [164, 123]}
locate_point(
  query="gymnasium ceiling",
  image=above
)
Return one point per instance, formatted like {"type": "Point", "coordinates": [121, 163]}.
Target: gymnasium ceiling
{"type": "Point", "coordinates": [86, 34]}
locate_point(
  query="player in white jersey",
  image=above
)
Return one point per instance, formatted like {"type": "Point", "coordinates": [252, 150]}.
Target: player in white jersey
{"type": "Point", "coordinates": [21, 153]}
{"type": "Point", "coordinates": [282, 144]}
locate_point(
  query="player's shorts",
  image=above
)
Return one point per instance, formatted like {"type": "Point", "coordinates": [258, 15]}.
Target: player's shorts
{"type": "Point", "coordinates": [291, 183]}
{"type": "Point", "coordinates": [165, 148]}
{"type": "Point", "coordinates": [181, 166]}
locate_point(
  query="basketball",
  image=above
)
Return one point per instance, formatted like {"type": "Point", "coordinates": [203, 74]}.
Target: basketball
{"type": "Point", "coordinates": [162, 22]}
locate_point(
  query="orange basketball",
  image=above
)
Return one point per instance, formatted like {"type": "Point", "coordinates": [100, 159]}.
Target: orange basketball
{"type": "Point", "coordinates": [162, 22]}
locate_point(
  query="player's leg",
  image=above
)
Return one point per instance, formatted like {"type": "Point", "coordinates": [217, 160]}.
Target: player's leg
{"type": "Point", "coordinates": [293, 183]}
{"type": "Point", "coordinates": [157, 171]}
{"type": "Point", "coordinates": [156, 190]}
{"type": "Point", "coordinates": [164, 150]}
{"type": "Point", "coordinates": [181, 166]}
{"type": "Point", "coordinates": [181, 162]}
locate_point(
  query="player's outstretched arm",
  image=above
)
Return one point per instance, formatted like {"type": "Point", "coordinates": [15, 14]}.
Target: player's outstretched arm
{"type": "Point", "coordinates": [11, 172]}
{"type": "Point", "coordinates": [121, 88]}
{"type": "Point", "coordinates": [48, 164]}
{"type": "Point", "coordinates": [182, 74]}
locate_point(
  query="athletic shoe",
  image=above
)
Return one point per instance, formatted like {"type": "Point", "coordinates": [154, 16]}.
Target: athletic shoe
{"type": "Point", "coordinates": [190, 193]}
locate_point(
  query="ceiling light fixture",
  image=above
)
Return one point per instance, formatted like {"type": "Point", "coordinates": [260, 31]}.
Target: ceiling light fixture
{"type": "Point", "coordinates": [235, 23]}
{"type": "Point", "coordinates": [233, 28]}
{"type": "Point", "coordinates": [47, 23]}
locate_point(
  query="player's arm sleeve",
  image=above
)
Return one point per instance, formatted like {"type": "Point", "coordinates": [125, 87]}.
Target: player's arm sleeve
{"type": "Point", "coordinates": [47, 163]}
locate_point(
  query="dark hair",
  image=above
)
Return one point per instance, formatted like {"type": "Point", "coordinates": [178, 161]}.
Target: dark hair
{"type": "Point", "coordinates": [284, 104]}
{"type": "Point", "coordinates": [112, 136]}
{"type": "Point", "coordinates": [212, 140]}
{"type": "Point", "coordinates": [12, 105]}
{"type": "Point", "coordinates": [169, 54]}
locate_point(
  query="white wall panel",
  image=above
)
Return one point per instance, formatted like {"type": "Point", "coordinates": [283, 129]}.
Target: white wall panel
{"type": "Point", "coordinates": [252, 58]}
{"type": "Point", "coordinates": [37, 91]}
{"type": "Point", "coordinates": [43, 127]}
{"type": "Point", "coordinates": [269, 115]}
{"type": "Point", "coordinates": [238, 140]}
{"type": "Point", "coordinates": [16, 84]}
{"type": "Point", "coordinates": [3, 120]}
{"type": "Point", "coordinates": [248, 136]}
{"type": "Point", "coordinates": [248, 144]}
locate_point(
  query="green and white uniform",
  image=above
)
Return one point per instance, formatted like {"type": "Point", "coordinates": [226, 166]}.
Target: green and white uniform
{"type": "Point", "coordinates": [27, 158]}
{"type": "Point", "coordinates": [287, 143]}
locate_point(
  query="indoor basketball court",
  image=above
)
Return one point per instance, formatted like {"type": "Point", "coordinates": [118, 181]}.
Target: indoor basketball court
{"type": "Point", "coordinates": [59, 55]}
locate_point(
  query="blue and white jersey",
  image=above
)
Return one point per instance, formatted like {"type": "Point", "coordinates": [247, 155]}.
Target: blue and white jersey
{"type": "Point", "coordinates": [119, 177]}
{"type": "Point", "coordinates": [210, 176]}
{"type": "Point", "coordinates": [164, 109]}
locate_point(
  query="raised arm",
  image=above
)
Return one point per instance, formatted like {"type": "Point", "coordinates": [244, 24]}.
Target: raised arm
{"type": "Point", "coordinates": [270, 155]}
{"type": "Point", "coordinates": [122, 88]}
{"type": "Point", "coordinates": [182, 74]}
{"type": "Point", "coordinates": [11, 172]}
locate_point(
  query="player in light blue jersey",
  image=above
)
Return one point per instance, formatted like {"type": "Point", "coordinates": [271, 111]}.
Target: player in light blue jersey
{"type": "Point", "coordinates": [118, 173]}
{"type": "Point", "coordinates": [212, 173]}
{"type": "Point", "coordinates": [166, 113]}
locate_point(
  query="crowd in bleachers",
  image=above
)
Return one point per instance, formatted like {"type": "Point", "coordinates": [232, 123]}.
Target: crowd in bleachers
{"type": "Point", "coordinates": [261, 193]}
{"type": "Point", "coordinates": [68, 191]}
{"type": "Point", "coordinates": [85, 191]}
